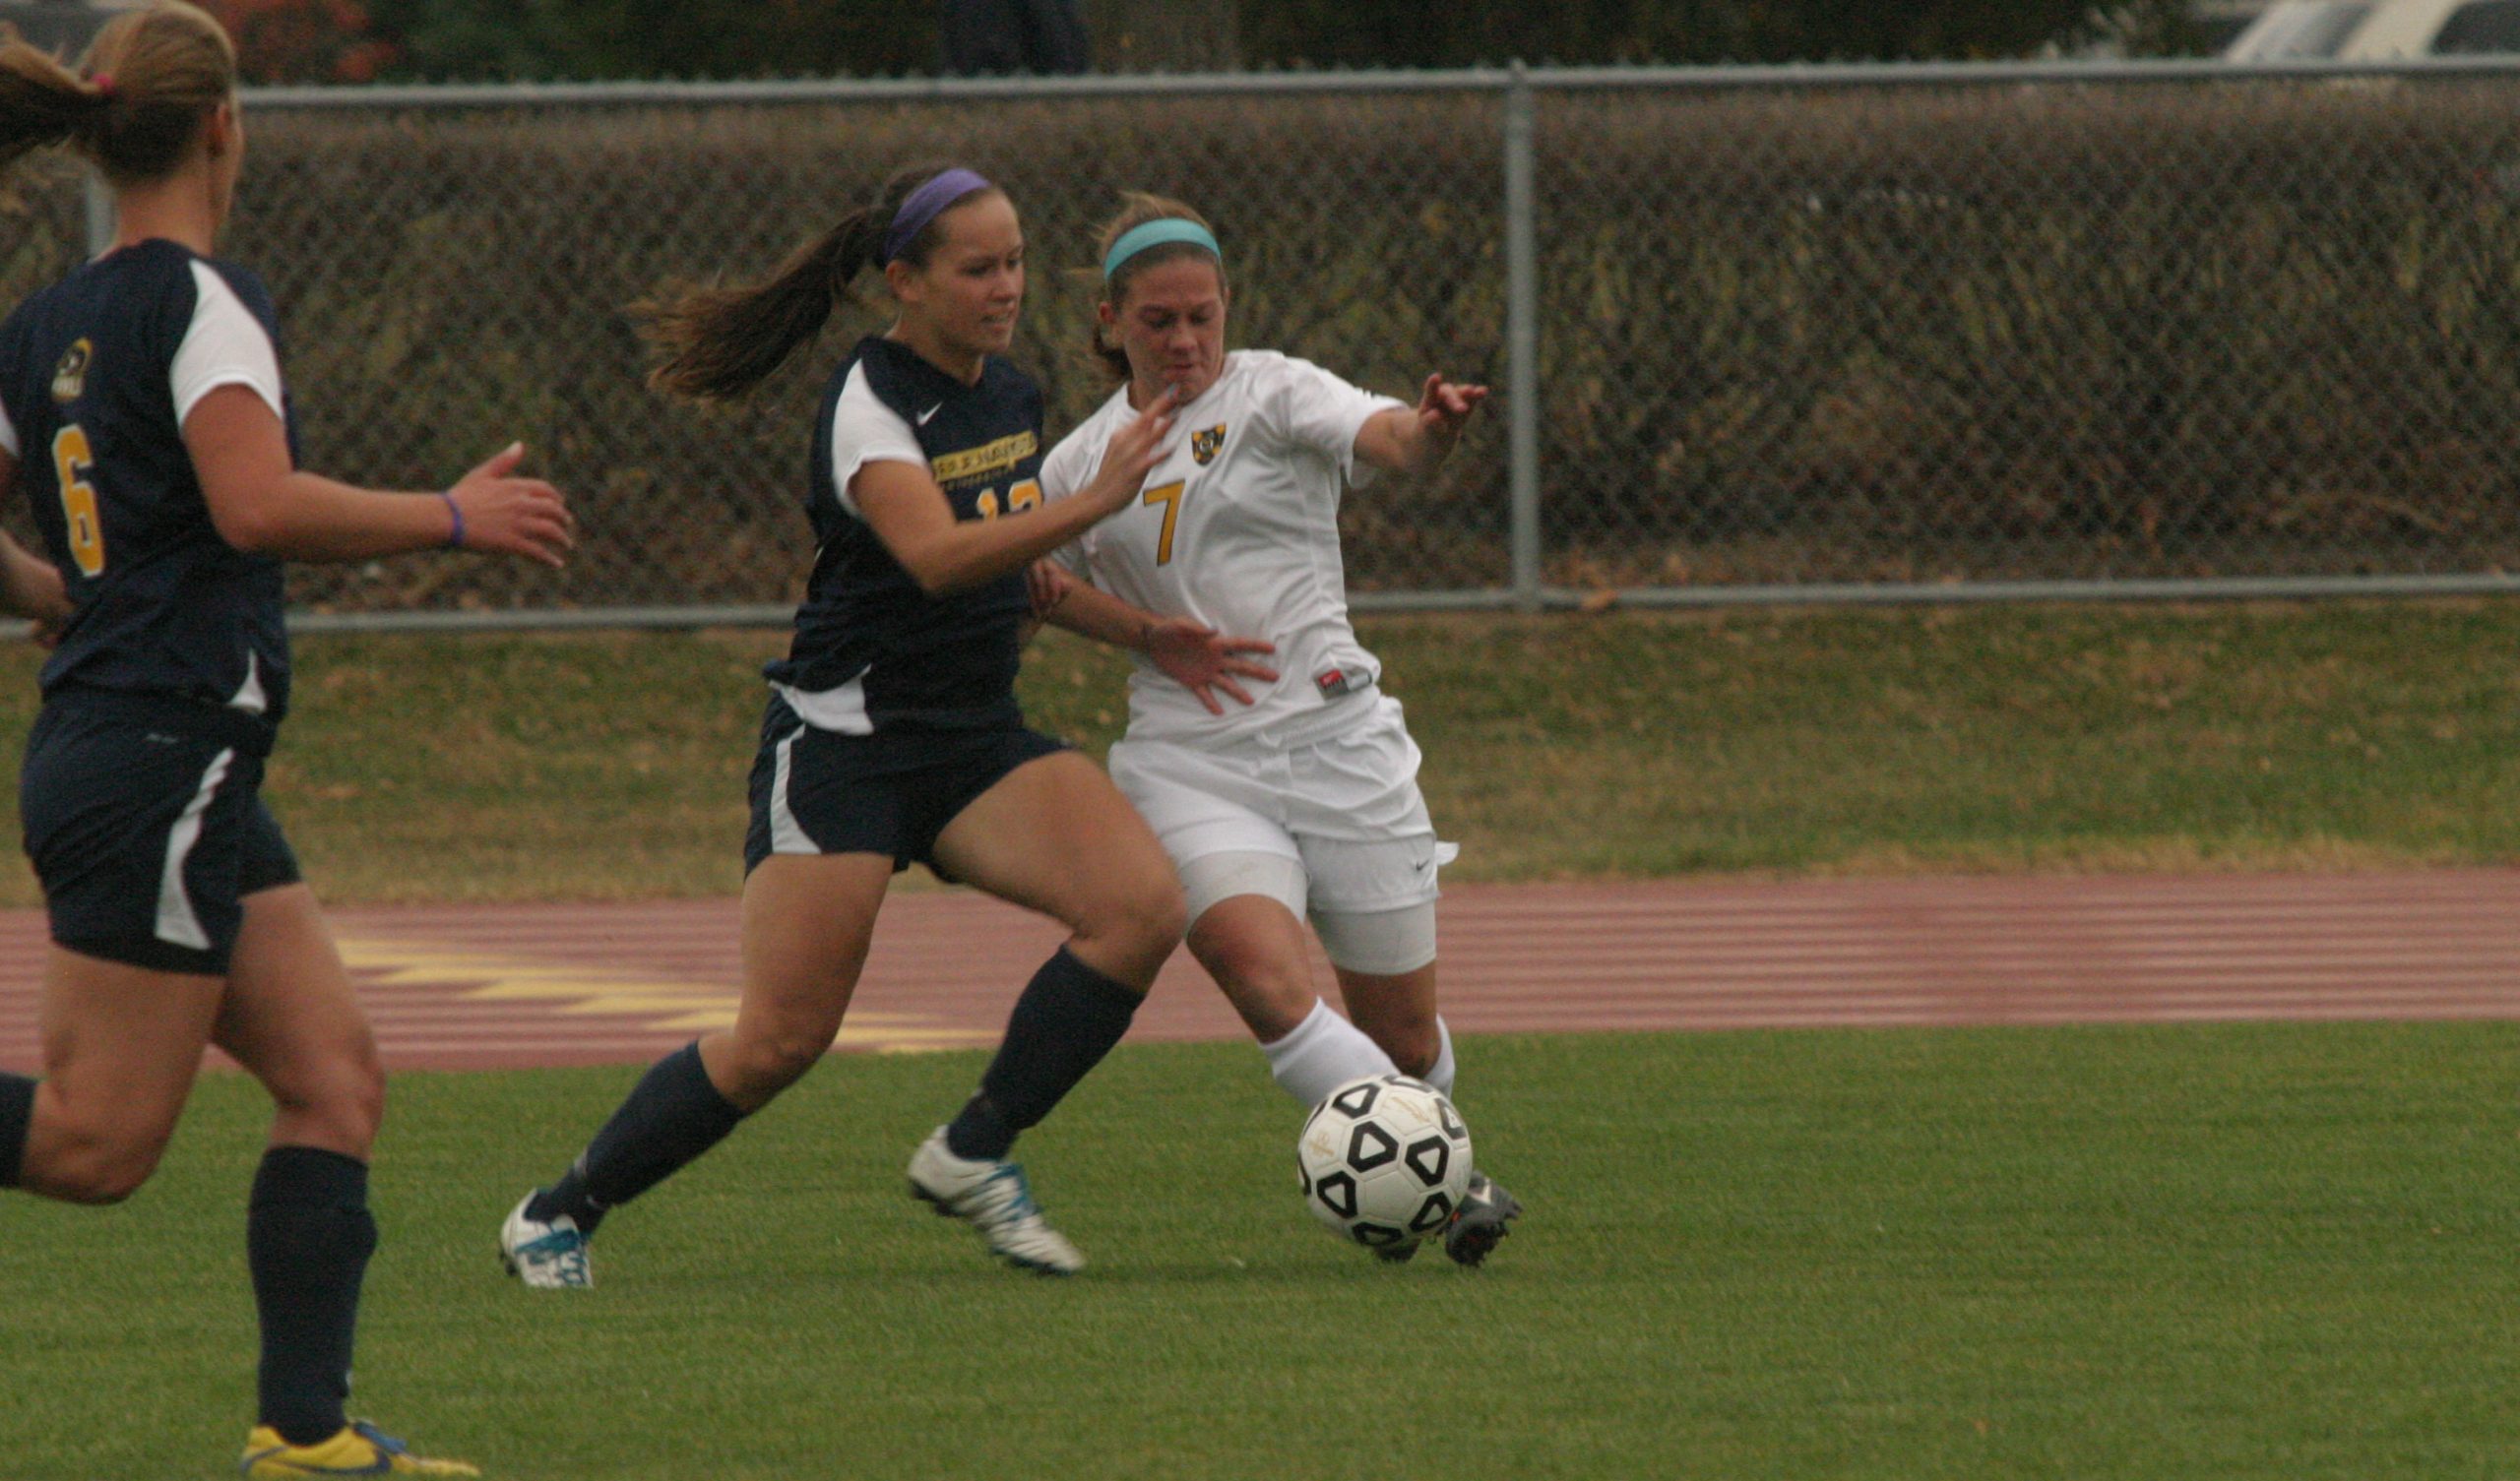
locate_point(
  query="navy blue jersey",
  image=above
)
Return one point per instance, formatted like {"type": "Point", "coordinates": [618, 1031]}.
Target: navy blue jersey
{"type": "Point", "coordinates": [90, 387]}
{"type": "Point", "coordinates": [870, 648]}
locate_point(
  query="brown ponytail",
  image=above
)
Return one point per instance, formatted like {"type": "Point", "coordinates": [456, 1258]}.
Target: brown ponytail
{"type": "Point", "coordinates": [719, 343]}
{"type": "Point", "coordinates": [1137, 208]}
{"type": "Point", "coordinates": [150, 78]}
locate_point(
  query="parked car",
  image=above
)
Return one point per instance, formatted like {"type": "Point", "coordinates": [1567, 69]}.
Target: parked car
{"type": "Point", "coordinates": [2380, 31]}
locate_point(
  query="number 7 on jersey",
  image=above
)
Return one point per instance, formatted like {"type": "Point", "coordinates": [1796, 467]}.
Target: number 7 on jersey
{"type": "Point", "coordinates": [1170, 496]}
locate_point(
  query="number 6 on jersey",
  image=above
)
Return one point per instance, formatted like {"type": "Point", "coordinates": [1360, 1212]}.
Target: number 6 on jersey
{"type": "Point", "coordinates": [73, 461]}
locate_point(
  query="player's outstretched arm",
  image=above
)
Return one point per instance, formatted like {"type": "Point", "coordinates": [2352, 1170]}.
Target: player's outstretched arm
{"type": "Point", "coordinates": [1191, 653]}
{"type": "Point", "coordinates": [261, 502]}
{"type": "Point", "coordinates": [1417, 441]}
{"type": "Point", "coordinates": [903, 504]}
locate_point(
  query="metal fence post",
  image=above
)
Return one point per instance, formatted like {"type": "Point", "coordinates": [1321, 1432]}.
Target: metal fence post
{"type": "Point", "coordinates": [100, 213]}
{"type": "Point", "coordinates": [1522, 339]}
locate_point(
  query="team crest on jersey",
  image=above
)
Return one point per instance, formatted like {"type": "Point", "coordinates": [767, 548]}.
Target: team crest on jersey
{"type": "Point", "coordinates": [1204, 444]}
{"type": "Point", "coordinates": [70, 377]}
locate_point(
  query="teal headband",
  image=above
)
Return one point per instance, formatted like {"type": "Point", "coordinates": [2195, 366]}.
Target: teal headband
{"type": "Point", "coordinates": [1158, 233]}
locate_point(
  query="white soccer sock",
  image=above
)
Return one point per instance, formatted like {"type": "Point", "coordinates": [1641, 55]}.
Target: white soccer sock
{"type": "Point", "coordinates": [1322, 1053]}
{"type": "Point", "coordinates": [1440, 1073]}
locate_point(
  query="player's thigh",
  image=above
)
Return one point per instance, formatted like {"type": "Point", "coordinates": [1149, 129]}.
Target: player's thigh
{"type": "Point", "coordinates": [292, 1019]}
{"type": "Point", "coordinates": [1055, 835]}
{"type": "Point", "coordinates": [1256, 950]}
{"type": "Point", "coordinates": [807, 920]}
{"type": "Point", "coordinates": [1373, 906]}
{"type": "Point", "coordinates": [121, 1047]}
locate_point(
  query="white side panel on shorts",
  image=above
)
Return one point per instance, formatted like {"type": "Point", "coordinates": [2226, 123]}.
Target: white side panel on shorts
{"type": "Point", "coordinates": [176, 921]}
{"type": "Point", "coordinates": [841, 710]}
{"type": "Point", "coordinates": [785, 836]}
{"type": "Point", "coordinates": [249, 695]}
{"type": "Point", "coordinates": [7, 433]}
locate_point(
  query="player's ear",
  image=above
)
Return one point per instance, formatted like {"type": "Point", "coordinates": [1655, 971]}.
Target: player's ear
{"type": "Point", "coordinates": [903, 279]}
{"type": "Point", "coordinates": [219, 132]}
{"type": "Point", "coordinates": [1105, 315]}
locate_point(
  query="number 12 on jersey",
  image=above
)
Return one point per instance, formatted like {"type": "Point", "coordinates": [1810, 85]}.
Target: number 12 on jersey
{"type": "Point", "coordinates": [74, 462]}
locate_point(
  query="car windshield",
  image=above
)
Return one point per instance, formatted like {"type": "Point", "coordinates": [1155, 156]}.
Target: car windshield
{"type": "Point", "coordinates": [2302, 30]}
{"type": "Point", "coordinates": [2481, 27]}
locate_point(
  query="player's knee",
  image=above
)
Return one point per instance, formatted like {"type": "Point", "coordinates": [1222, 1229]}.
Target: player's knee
{"type": "Point", "coordinates": [766, 1063]}
{"type": "Point", "coordinates": [1241, 961]}
{"type": "Point", "coordinates": [99, 1170]}
{"type": "Point", "coordinates": [337, 1099]}
{"type": "Point", "coordinates": [1142, 925]}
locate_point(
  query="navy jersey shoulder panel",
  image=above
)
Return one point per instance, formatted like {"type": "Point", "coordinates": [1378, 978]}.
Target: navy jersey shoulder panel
{"type": "Point", "coordinates": [162, 603]}
{"type": "Point", "coordinates": [948, 661]}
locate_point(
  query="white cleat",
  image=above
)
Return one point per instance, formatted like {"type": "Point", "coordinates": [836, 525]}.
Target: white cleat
{"type": "Point", "coordinates": [549, 1256]}
{"type": "Point", "coordinates": [993, 1196]}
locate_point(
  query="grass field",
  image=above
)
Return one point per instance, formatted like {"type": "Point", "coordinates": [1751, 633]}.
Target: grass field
{"type": "Point", "coordinates": [2242, 1251]}
{"type": "Point", "coordinates": [2003, 739]}
{"type": "Point", "coordinates": [2273, 1252]}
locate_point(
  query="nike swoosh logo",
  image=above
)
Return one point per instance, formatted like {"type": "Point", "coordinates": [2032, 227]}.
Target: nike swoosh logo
{"type": "Point", "coordinates": [930, 412]}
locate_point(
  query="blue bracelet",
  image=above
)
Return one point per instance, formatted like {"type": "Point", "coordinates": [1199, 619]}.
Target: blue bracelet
{"type": "Point", "coordinates": [454, 534]}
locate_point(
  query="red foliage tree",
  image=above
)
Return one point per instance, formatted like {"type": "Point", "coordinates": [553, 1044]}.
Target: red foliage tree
{"type": "Point", "coordinates": [303, 40]}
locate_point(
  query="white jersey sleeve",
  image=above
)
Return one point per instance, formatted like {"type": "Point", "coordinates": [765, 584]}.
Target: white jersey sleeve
{"type": "Point", "coordinates": [8, 432]}
{"type": "Point", "coordinates": [1065, 472]}
{"type": "Point", "coordinates": [865, 430]}
{"type": "Point", "coordinates": [224, 345]}
{"type": "Point", "coordinates": [1316, 409]}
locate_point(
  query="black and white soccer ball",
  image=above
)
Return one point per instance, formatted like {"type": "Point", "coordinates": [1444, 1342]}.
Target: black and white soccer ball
{"type": "Point", "coordinates": [1384, 1161]}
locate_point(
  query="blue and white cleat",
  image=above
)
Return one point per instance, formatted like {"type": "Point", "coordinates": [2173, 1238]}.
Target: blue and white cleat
{"type": "Point", "coordinates": [549, 1256]}
{"type": "Point", "coordinates": [361, 1450]}
{"type": "Point", "coordinates": [993, 1196]}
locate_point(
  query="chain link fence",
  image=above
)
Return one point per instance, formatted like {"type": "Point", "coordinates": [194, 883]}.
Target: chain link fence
{"type": "Point", "coordinates": [1811, 335]}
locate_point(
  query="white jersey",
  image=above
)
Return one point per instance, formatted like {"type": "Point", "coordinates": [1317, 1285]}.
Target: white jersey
{"type": "Point", "coordinates": [1238, 528]}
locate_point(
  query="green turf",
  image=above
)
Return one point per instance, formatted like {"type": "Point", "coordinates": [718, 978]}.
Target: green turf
{"type": "Point", "coordinates": [2276, 1252]}
{"type": "Point", "coordinates": [612, 766]}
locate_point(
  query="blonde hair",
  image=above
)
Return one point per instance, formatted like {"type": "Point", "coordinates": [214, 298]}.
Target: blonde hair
{"type": "Point", "coordinates": [137, 101]}
{"type": "Point", "coordinates": [1137, 208]}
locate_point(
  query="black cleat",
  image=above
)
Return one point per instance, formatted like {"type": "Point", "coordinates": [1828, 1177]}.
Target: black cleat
{"type": "Point", "coordinates": [1481, 1220]}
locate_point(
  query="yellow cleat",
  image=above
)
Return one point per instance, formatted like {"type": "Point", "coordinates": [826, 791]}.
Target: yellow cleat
{"type": "Point", "coordinates": [362, 1450]}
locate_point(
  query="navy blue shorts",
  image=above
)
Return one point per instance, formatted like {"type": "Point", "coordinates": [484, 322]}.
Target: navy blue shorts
{"type": "Point", "coordinates": [148, 834]}
{"type": "Point", "coordinates": [891, 792]}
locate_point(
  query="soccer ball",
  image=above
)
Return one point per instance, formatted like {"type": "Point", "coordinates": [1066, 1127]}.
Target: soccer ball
{"type": "Point", "coordinates": [1384, 1161]}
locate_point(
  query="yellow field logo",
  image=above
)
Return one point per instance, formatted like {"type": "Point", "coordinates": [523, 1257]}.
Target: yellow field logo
{"type": "Point", "coordinates": [1204, 444]}
{"type": "Point", "coordinates": [70, 377]}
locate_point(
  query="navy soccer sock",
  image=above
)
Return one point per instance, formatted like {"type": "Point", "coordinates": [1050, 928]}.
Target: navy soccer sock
{"type": "Point", "coordinates": [17, 1119]}
{"type": "Point", "coordinates": [308, 1235]}
{"type": "Point", "coordinates": [1068, 1017]}
{"type": "Point", "coordinates": [671, 1117]}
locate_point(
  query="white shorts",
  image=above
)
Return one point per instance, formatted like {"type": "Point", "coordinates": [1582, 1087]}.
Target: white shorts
{"type": "Point", "coordinates": [1346, 808]}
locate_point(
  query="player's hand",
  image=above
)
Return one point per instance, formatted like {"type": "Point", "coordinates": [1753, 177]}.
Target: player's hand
{"type": "Point", "coordinates": [1443, 407]}
{"type": "Point", "coordinates": [1048, 584]}
{"type": "Point", "coordinates": [1203, 660]}
{"type": "Point", "coordinates": [511, 516]}
{"type": "Point", "coordinates": [41, 595]}
{"type": "Point", "coordinates": [1132, 453]}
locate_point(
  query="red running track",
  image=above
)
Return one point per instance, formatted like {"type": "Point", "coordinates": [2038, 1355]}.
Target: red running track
{"type": "Point", "coordinates": [479, 987]}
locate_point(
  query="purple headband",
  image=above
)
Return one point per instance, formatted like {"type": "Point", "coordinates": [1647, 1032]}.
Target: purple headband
{"type": "Point", "coordinates": [926, 204]}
